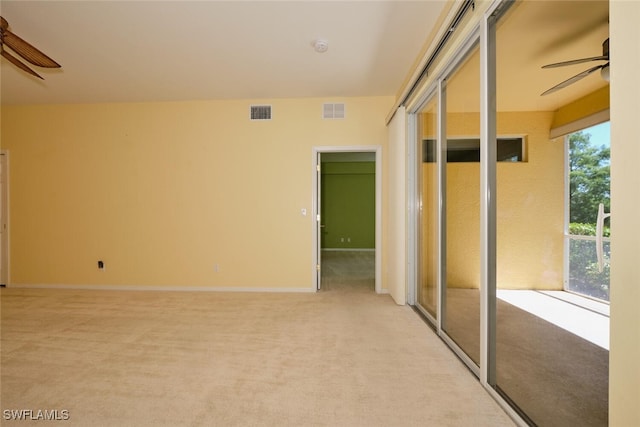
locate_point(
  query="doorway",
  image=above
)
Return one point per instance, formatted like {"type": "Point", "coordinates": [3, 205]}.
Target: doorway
{"type": "Point", "coordinates": [347, 199]}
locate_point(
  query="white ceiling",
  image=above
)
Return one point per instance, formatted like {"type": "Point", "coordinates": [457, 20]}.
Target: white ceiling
{"type": "Point", "coordinates": [145, 51]}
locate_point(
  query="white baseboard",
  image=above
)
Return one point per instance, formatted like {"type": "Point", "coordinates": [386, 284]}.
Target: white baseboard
{"type": "Point", "coordinates": [166, 288]}
{"type": "Point", "coordinates": [160, 288]}
{"type": "Point", "coordinates": [349, 249]}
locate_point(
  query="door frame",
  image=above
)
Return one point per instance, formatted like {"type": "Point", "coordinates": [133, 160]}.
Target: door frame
{"type": "Point", "coordinates": [4, 218]}
{"type": "Point", "coordinates": [316, 202]}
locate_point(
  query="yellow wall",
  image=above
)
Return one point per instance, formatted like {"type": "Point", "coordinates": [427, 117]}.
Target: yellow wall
{"type": "Point", "coordinates": [530, 214]}
{"type": "Point", "coordinates": [163, 192]}
{"type": "Point", "coordinates": [583, 107]}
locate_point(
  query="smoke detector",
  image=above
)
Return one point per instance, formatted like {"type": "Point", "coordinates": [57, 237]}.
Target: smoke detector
{"type": "Point", "coordinates": [320, 45]}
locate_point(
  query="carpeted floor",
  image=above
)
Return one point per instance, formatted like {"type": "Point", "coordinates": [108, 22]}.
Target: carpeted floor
{"type": "Point", "coordinates": [348, 271]}
{"type": "Point", "coordinates": [344, 356]}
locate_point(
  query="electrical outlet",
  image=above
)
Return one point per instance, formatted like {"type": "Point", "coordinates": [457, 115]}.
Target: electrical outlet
{"type": "Point", "coordinates": [100, 265]}
{"type": "Point", "coordinates": [342, 240]}
{"type": "Point", "coordinates": [216, 267]}
{"type": "Point", "coordinates": [348, 239]}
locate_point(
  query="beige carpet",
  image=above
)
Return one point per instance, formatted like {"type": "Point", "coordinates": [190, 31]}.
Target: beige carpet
{"type": "Point", "coordinates": [342, 357]}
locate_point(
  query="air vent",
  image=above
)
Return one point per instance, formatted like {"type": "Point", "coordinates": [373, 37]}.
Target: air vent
{"type": "Point", "coordinates": [261, 112]}
{"type": "Point", "coordinates": [333, 111]}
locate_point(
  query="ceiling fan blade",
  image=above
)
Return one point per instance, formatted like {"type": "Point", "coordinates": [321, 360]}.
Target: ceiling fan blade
{"type": "Point", "coordinates": [19, 64]}
{"type": "Point", "coordinates": [27, 51]}
{"type": "Point", "coordinates": [572, 80]}
{"type": "Point", "coordinates": [576, 61]}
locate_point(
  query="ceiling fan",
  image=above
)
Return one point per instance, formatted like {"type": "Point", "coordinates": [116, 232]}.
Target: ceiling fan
{"type": "Point", "coordinates": [603, 67]}
{"type": "Point", "coordinates": [23, 49]}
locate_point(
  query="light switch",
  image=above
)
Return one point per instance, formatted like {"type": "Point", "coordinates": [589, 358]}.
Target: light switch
{"type": "Point", "coordinates": [303, 211]}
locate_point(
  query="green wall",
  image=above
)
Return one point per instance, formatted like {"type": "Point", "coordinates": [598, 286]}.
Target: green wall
{"type": "Point", "coordinates": [348, 205]}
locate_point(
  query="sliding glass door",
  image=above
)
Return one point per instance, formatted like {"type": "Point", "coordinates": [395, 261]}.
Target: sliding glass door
{"type": "Point", "coordinates": [428, 189]}
{"type": "Point", "coordinates": [551, 364]}
{"type": "Point", "coordinates": [461, 207]}
{"type": "Point", "coordinates": [448, 147]}
{"type": "Point", "coordinates": [492, 220]}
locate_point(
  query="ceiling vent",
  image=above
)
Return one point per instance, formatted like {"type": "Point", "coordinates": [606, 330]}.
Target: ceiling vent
{"type": "Point", "coordinates": [333, 111]}
{"type": "Point", "coordinates": [261, 112]}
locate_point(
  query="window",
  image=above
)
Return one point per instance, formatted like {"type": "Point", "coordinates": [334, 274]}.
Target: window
{"type": "Point", "coordinates": [468, 150]}
{"type": "Point", "coordinates": [588, 187]}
